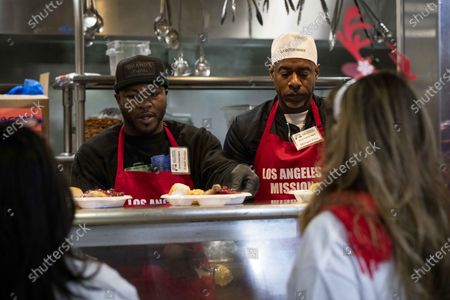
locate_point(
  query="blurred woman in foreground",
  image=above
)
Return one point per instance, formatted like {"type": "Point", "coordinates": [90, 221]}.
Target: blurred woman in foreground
{"type": "Point", "coordinates": [37, 213]}
{"type": "Point", "coordinates": [379, 227]}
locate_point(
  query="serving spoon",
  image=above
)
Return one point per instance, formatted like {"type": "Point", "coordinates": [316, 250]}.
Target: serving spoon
{"type": "Point", "coordinates": [161, 25]}
{"type": "Point", "coordinates": [173, 37]}
{"type": "Point", "coordinates": [202, 67]}
{"type": "Point", "coordinates": [180, 66]}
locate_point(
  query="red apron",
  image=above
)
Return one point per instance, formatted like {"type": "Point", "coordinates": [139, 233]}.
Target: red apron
{"type": "Point", "coordinates": [146, 188]}
{"type": "Point", "coordinates": [281, 167]}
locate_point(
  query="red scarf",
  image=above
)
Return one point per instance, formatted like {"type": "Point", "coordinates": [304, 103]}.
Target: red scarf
{"type": "Point", "coordinates": [369, 252]}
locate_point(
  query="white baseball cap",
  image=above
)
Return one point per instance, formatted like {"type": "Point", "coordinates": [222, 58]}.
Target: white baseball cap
{"type": "Point", "coordinates": [294, 45]}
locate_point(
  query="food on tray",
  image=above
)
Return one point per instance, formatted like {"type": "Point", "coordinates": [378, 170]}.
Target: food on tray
{"type": "Point", "coordinates": [103, 193]}
{"type": "Point", "coordinates": [222, 275]}
{"type": "Point", "coordinates": [226, 190]}
{"type": "Point", "coordinates": [179, 189]}
{"type": "Point", "coordinates": [217, 189]}
{"type": "Point", "coordinates": [76, 192]}
{"type": "Point", "coordinates": [314, 186]}
{"type": "Point", "coordinates": [98, 198]}
{"type": "Point", "coordinates": [196, 192]}
{"type": "Point", "coordinates": [180, 195]}
{"type": "Point", "coordinates": [95, 193]}
{"type": "Point", "coordinates": [113, 193]}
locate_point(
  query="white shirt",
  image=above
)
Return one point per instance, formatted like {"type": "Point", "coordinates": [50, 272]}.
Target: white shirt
{"type": "Point", "coordinates": [296, 119]}
{"type": "Point", "coordinates": [324, 269]}
{"type": "Point", "coordinates": [108, 281]}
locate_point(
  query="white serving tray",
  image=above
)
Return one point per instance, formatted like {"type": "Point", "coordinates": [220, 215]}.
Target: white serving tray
{"type": "Point", "coordinates": [101, 202]}
{"type": "Point", "coordinates": [207, 200]}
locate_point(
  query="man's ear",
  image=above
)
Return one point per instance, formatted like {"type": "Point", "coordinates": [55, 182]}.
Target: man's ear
{"type": "Point", "coordinates": [317, 70]}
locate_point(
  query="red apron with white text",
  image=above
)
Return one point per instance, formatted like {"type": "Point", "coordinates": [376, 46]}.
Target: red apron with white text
{"type": "Point", "coordinates": [148, 187]}
{"type": "Point", "coordinates": [281, 167]}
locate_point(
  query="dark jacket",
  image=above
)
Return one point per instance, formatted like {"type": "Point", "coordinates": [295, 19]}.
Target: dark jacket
{"type": "Point", "coordinates": [95, 163]}
{"type": "Point", "coordinates": [245, 132]}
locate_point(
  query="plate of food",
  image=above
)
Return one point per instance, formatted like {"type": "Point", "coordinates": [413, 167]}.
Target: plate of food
{"type": "Point", "coordinates": [99, 198]}
{"type": "Point", "coordinates": [182, 195]}
{"type": "Point", "coordinates": [304, 196]}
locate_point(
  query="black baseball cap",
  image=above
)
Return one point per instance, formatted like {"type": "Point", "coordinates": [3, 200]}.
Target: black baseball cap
{"type": "Point", "coordinates": [140, 69]}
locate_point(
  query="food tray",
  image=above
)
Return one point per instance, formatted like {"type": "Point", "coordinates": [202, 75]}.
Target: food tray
{"type": "Point", "coordinates": [101, 202]}
{"type": "Point", "coordinates": [207, 200]}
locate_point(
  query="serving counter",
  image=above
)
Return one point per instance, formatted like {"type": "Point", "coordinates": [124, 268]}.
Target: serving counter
{"type": "Point", "coordinates": [249, 248]}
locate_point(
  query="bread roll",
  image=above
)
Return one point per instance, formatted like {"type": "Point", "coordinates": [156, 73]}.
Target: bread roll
{"type": "Point", "coordinates": [76, 192]}
{"type": "Point", "coordinates": [179, 189]}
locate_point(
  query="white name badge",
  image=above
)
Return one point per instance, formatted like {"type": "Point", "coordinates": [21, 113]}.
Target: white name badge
{"type": "Point", "coordinates": [307, 138]}
{"type": "Point", "coordinates": [179, 160]}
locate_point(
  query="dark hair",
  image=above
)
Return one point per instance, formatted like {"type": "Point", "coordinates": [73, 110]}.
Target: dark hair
{"type": "Point", "coordinates": [37, 214]}
{"type": "Point", "coordinates": [403, 175]}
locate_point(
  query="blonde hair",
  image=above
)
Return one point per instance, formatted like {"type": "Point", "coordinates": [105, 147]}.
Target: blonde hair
{"type": "Point", "coordinates": [403, 177]}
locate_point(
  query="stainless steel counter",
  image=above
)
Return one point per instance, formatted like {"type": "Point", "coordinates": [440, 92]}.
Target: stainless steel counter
{"type": "Point", "coordinates": [143, 226]}
{"type": "Point", "coordinates": [116, 216]}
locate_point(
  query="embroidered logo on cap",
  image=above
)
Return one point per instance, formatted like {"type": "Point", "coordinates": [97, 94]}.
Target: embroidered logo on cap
{"type": "Point", "coordinates": [139, 68]}
{"type": "Point", "coordinates": [293, 45]}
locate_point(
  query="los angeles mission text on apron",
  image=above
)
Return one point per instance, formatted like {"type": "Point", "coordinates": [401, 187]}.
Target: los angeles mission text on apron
{"type": "Point", "coordinates": [281, 167]}
{"type": "Point", "coordinates": [278, 177]}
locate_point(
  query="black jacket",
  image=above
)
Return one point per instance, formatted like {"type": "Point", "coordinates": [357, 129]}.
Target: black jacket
{"type": "Point", "coordinates": [245, 132]}
{"type": "Point", "coordinates": [95, 163]}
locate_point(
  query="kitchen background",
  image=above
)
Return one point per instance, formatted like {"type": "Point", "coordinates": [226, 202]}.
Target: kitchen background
{"type": "Point", "coordinates": [30, 46]}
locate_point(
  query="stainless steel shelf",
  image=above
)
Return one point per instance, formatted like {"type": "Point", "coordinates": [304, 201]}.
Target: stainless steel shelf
{"type": "Point", "coordinates": [191, 82]}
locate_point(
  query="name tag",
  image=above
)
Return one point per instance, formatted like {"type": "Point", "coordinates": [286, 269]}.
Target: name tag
{"type": "Point", "coordinates": [307, 138]}
{"type": "Point", "coordinates": [179, 160]}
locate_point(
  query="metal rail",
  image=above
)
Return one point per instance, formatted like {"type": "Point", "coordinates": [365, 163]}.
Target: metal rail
{"type": "Point", "coordinates": [191, 82]}
{"type": "Point", "coordinates": [116, 216]}
{"type": "Point", "coordinates": [80, 92]}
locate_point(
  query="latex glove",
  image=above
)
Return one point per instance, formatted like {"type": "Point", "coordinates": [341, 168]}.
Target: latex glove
{"type": "Point", "coordinates": [243, 179]}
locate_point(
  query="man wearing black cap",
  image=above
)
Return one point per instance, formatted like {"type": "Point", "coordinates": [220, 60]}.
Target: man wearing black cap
{"type": "Point", "coordinates": [145, 156]}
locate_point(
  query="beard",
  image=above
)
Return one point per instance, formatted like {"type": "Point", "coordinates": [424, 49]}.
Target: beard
{"type": "Point", "coordinates": [149, 124]}
{"type": "Point", "coordinates": [295, 104]}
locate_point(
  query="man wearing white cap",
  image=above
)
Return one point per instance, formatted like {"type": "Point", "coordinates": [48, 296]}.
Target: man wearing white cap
{"type": "Point", "coordinates": [282, 137]}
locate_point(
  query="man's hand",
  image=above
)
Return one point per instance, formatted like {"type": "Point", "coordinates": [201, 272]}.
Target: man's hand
{"type": "Point", "coordinates": [243, 179]}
